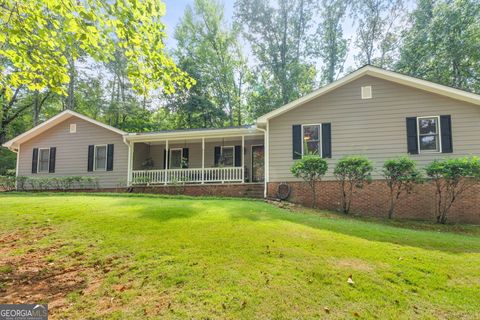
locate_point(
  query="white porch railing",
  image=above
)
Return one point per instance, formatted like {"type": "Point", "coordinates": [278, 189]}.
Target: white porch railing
{"type": "Point", "coordinates": [194, 175]}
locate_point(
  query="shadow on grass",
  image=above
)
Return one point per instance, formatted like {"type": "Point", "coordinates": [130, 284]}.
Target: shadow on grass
{"type": "Point", "coordinates": [403, 234]}
{"type": "Point", "coordinates": [400, 233]}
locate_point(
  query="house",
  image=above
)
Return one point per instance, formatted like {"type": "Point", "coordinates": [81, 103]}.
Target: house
{"type": "Point", "coordinates": [372, 112]}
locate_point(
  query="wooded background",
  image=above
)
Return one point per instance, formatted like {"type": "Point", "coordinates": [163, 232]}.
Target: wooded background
{"type": "Point", "coordinates": [110, 62]}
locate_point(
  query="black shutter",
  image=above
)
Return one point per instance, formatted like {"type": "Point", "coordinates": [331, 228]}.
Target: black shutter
{"type": "Point", "coordinates": [412, 142]}
{"type": "Point", "coordinates": [326, 140]}
{"type": "Point", "coordinates": [238, 156]}
{"type": "Point", "coordinates": [91, 152]}
{"type": "Point", "coordinates": [446, 130]}
{"type": "Point", "coordinates": [185, 158]}
{"type": "Point", "coordinates": [34, 160]}
{"type": "Point", "coordinates": [297, 141]}
{"type": "Point", "coordinates": [164, 158]}
{"type": "Point", "coordinates": [216, 155]}
{"type": "Point", "coordinates": [53, 154]}
{"type": "Point", "coordinates": [110, 157]}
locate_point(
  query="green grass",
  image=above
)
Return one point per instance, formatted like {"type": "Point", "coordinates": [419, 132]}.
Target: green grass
{"type": "Point", "coordinates": [223, 258]}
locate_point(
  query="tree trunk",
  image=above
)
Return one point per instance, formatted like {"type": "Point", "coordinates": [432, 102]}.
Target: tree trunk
{"type": "Point", "coordinates": [314, 194]}
{"type": "Point", "coordinates": [392, 206]}
{"type": "Point", "coordinates": [3, 135]}
{"type": "Point", "coordinates": [70, 99]}
{"type": "Point", "coordinates": [36, 109]}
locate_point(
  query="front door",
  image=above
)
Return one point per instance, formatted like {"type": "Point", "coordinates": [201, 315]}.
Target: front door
{"type": "Point", "coordinates": [258, 157]}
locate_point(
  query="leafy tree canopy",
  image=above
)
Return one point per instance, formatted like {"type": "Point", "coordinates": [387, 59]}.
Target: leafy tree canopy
{"type": "Point", "coordinates": [38, 36]}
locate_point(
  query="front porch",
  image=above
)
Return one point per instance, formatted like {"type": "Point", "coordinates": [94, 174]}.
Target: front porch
{"type": "Point", "coordinates": [188, 158]}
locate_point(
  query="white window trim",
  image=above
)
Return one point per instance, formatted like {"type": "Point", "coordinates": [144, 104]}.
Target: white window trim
{"type": "Point", "coordinates": [95, 157]}
{"type": "Point", "coordinates": [38, 161]}
{"type": "Point", "coordinates": [233, 154]}
{"type": "Point", "coordinates": [439, 133]}
{"type": "Point", "coordinates": [320, 137]}
{"type": "Point", "coordinates": [170, 157]}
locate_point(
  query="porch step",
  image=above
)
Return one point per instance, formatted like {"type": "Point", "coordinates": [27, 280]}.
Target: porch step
{"type": "Point", "coordinates": [254, 191]}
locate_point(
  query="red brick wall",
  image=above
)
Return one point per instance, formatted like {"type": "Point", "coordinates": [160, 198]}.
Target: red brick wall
{"type": "Point", "coordinates": [223, 190]}
{"type": "Point", "coordinates": [373, 200]}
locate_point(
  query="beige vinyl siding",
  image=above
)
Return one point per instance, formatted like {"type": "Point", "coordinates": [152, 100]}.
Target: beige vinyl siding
{"type": "Point", "coordinates": [72, 152]}
{"type": "Point", "coordinates": [373, 127]}
{"type": "Point", "coordinates": [195, 153]}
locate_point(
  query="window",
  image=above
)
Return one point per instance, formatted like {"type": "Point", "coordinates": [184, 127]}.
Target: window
{"type": "Point", "coordinates": [228, 156]}
{"type": "Point", "coordinates": [73, 127]}
{"type": "Point", "coordinates": [175, 159]}
{"type": "Point", "coordinates": [43, 160]}
{"type": "Point", "coordinates": [428, 134]}
{"type": "Point", "coordinates": [100, 158]}
{"type": "Point", "coordinates": [311, 139]}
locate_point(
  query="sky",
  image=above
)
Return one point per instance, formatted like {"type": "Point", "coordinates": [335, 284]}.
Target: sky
{"type": "Point", "coordinates": [175, 9]}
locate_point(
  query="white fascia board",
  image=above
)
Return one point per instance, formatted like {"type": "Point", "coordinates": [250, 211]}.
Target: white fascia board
{"type": "Point", "coordinates": [50, 123]}
{"type": "Point", "coordinates": [181, 135]}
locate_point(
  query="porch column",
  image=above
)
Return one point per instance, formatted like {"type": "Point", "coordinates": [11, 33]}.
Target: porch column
{"type": "Point", "coordinates": [243, 159]}
{"type": "Point", "coordinates": [131, 147]}
{"type": "Point", "coordinates": [167, 153]}
{"type": "Point", "coordinates": [203, 160]}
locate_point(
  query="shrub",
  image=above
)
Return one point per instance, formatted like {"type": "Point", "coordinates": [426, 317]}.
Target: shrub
{"type": "Point", "coordinates": [7, 183]}
{"type": "Point", "coordinates": [401, 175]}
{"type": "Point", "coordinates": [352, 172]}
{"type": "Point", "coordinates": [452, 177]}
{"type": "Point", "coordinates": [89, 182]}
{"type": "Point", "coordinates": [21, 182]}
{"type": "Point", "coordinates": [310, 168]}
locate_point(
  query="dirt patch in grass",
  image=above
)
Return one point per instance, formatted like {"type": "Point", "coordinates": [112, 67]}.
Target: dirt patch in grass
{"type": "Point", "coordinates": [30, 277]}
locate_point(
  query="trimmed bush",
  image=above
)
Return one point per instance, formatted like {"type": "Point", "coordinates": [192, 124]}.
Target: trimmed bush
{"type": "Point", "coordinates": [310, 168]}
{"type": "Point", "coordinates": [42, 183]}
{"type": "Point", "coordinates": [352, 172]}
{"type": "Point", "coordinates": [400, 175]}
{"type": "Point", "coordinates": [7, 183]}
{"type": "Point", "coordinates": [452, 177]}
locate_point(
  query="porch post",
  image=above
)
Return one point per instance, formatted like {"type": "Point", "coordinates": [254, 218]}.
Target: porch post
{"type": "Point", "coordinates": [166, 161]}
{"type": "Point", "coordinates": [243, 159]}
{"type": "Point", "coordinates": [131, 146]}
{"type": "Point", "coordinates": [203, 160]}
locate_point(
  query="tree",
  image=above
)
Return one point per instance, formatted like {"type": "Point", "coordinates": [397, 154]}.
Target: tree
{"type": "Point", "coordinates": [352, 172]}
{"type": "Point", "coordinates": [377, 31]}
{"type": "Point", "coordinates": [400, 176]}
{"type": "Point", "coordinates": [209, 47]}
{"type": "Point", "coordinates": [330, 43]}
{"type": "Point", "coordinates": [278, 35]}
{"type": "Point", "coordinates": [443, 44]}
{"type": "Point", "coordinates": [310, 168]}
{"type": "Point", "coordinates": [39, 37]}
{"type": "Point", "coordinates": [452, 177]}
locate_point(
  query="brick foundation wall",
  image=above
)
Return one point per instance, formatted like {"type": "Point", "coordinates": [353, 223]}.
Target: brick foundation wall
{"type": "Point", "coordinates": [248, 190]}
{"type": "Point", "coordinates": [373, 200]}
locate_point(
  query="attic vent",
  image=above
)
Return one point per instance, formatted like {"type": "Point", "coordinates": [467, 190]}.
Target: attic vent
{"type": "Point", "coordinates": [73, 127]}
{"type": "Point", "coordinates": [367, 92]}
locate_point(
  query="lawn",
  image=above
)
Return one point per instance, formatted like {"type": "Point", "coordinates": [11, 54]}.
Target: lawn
{"type": "Point", "coordinates": [131, 256]}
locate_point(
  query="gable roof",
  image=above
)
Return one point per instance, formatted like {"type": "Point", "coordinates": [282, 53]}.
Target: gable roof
{"type": "Point", "coordinates": [378, 73]}
{"type": "Point", "coordinates": [44, 126]}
